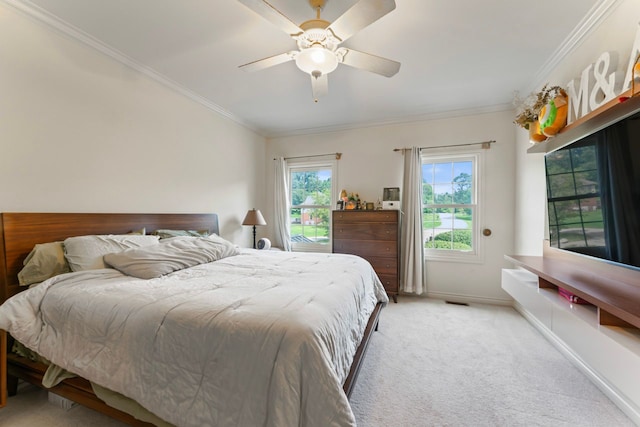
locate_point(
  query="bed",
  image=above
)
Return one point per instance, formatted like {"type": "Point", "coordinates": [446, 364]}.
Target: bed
{"type": "Point", "coordinates": [300, 325]}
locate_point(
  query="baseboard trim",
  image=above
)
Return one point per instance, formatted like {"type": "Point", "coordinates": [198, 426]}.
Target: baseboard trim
{"type": "Point", "coordinates": [629, 409]}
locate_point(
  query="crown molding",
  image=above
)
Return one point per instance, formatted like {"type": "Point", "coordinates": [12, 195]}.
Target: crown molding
{"type": "Point", "coordinates": [416, 118]}
{"type": "Point", "coordinates": [42, 16]}
{"type": "Point", "coordinates": [598, 13]}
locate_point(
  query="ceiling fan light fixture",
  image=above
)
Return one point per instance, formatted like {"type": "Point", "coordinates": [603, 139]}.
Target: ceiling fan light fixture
{"type": "Point", "coordinates": [317, 59]}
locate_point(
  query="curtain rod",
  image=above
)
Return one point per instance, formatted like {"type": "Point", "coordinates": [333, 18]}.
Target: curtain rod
{"type": "Point", "coordinates": [485, 144]}
{"type": "Point", "coordinates": [338, 155]}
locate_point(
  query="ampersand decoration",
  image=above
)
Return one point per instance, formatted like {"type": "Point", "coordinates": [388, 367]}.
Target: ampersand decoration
{"type": "Point", "coordinates": [604, 88]}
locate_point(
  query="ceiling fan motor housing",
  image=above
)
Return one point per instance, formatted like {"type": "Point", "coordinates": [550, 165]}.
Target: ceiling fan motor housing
{"type": "Point", "coordinates": [315, 33]}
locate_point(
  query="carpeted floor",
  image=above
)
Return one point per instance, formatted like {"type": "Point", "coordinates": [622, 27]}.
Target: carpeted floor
{"type": "Point", "coordinates": [431, 364]}
{"type": "Point", "coordinates": [438, 364]}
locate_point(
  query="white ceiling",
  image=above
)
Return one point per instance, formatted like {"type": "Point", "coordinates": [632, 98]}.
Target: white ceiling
{"type": "Point", "coordinates": [457, 55]}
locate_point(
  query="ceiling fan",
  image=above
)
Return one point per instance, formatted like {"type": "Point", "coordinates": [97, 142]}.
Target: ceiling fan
{"type": "Point", "coordinates": [318, 53]}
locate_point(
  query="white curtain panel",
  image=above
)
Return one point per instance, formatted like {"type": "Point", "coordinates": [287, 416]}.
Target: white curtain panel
{"type": "Point", "coordinates": [412, 246]}
{"type": "Point", "coordinates": [282, 228]}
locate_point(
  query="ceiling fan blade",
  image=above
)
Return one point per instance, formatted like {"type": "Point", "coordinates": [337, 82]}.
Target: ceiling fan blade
{"type": "Point", "coordinates": [365, 61]}
{"type": "Point", "coordinates": [319, 86]}
{"type": "Point", "coordinates": [273, 15]}
{"type": "Point", "coordinates": [261, 64]}
{"type": "Point", "coordinates": [359, 16]}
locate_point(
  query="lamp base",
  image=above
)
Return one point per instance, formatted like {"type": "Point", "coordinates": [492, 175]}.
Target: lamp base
{"type": "Point", "coordinates": [254, 237]}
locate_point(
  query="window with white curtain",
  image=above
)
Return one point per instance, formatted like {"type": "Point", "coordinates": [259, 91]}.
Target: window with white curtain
{"type": "Point", "coordinates": [313, 194]}
{"type": "Point", "coordinates": [450, 214]}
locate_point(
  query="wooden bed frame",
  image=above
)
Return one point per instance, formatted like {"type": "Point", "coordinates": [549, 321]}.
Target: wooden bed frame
{"type": "Point", "coordinates": [19, 232]}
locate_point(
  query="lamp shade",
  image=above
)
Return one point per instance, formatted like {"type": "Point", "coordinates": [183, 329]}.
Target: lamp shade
{"type": "Point", "coordinates": [254, 217]}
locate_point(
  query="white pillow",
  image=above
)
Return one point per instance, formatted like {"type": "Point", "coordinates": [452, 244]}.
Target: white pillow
{"type": "Point", "coordinates": [86, 252]}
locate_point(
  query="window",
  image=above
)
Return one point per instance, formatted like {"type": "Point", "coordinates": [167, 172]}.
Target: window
{"type": "Point", "coordinates": [450, 206]}
{"type": "Point", "coordinates": [312, 192]}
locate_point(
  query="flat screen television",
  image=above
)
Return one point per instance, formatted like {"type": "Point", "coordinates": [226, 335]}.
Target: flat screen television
{"type": "Point", "coordinates": [593, 194]}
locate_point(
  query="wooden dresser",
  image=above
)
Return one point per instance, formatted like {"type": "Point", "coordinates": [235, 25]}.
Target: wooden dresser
{"type": "Point", "coordinates": [375, 236]}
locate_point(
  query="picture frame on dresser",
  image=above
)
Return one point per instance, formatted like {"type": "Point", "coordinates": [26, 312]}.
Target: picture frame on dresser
{"type": "Point", "coordinates": [375, 236]}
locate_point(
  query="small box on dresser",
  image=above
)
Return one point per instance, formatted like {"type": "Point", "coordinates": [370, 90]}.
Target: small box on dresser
{"type": "Point", "coordinates": [374, 236]}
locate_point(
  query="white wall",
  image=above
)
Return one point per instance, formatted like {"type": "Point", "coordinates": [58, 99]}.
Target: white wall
{"type": "Point", "coordinates": [80, 132]}
{"type": "Point", "coordinates": [369, 164]}
{"type": "Point", "coordinates": [615, 34]}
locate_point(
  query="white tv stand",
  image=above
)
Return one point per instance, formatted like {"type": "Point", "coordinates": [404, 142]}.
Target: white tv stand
{"type": "Point", "coordinates": [603, 339]}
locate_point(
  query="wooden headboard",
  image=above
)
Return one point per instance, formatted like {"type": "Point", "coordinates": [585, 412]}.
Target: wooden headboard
{"type": "Point", "coordinates": [19, 232]}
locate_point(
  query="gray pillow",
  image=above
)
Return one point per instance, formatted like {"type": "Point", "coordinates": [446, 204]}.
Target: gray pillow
{"type": "Point", "coordinates": [86, 252]}
{"type": "Point", "coordinates": [170, 255]}
{"type": "Point", "coordinates": [44, 261]}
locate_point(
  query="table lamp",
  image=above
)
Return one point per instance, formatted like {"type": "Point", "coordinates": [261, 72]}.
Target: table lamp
{"type": "Point", "coordinates": [254, 217]}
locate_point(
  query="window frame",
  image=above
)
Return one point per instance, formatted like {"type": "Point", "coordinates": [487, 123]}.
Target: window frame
{"type": "Point", "coordinates": [301, 165]}
{"type": "Point", "coordinates": [477, 159]}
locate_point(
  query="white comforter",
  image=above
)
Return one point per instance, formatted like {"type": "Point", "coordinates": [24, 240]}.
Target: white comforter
{"type": "Point", "coordinates": [263, 338]}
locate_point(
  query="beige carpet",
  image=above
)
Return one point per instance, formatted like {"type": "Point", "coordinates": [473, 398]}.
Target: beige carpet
{"type": "Point", "coordinates": [431, 364]}
{"type": "Point", "coordinates": [437, 364]}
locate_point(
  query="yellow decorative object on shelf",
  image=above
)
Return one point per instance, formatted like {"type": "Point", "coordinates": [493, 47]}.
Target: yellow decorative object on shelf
{"type": "Point", "coordinates": [635, 78]}
{"type": "Point", "coordinates": [553, 115]}
{"type": "Point", "coordinates": [535, 135]}
{"type": "Point", "coordinates": [542, 108]}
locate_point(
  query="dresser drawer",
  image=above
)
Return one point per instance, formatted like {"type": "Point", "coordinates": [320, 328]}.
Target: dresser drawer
{"type": "Point", "coordinates": [390, 283]}
{"type": "Point", "coordinates": [366, 248]}
{"type": "Point", "coordinates": [381, 265]}
{"type": "Point", "coordinates": [365, 231]}
{"type": "Point", "coordinates": [365, 216]}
